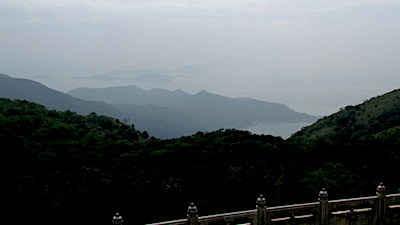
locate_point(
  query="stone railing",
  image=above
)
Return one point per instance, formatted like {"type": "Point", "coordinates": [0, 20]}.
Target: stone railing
{"type": "Point", "coordinates": [381, 209]}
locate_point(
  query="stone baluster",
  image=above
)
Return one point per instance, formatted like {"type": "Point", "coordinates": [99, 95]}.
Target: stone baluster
{"type": "Point", "coordinates": [292, 217]}
{"type": "Point", "coordinates": [324, 207]}
{"type": "Point", "coordinates": [381, 206]}
{"type": "Point", "coordinates": [262, 218]}
{"type": "Point", "coordinates": [192, 214]}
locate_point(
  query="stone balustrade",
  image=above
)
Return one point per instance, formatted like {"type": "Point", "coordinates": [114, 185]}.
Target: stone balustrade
{"type": "Point", "coordinates": [381, 209]}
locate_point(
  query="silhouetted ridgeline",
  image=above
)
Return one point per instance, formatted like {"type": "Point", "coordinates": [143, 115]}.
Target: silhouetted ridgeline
{"type": "Point", "coordinates": [74, 169]}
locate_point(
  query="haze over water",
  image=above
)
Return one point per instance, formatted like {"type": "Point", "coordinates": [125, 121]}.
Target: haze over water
{"type": "Point", "coordinates": [284, 130]}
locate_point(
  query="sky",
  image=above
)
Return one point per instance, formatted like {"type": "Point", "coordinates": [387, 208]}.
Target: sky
{"type": "Point", "coordinates": [314, 56]}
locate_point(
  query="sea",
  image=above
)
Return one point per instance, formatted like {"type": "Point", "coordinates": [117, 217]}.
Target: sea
{"type": "Point", "coordinates": [282, 129]}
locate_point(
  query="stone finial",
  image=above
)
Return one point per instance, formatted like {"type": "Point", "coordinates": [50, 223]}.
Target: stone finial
{"type": "Point", "coordinates": [261, 203]}
{"type": "Point", "coordinates": [117, 219]}
{"type": "Point", "coordinates": [380, 190]}
{"type": "Point", "coordinates": [192, 209]}
{"type": "Point", "coordinates": [323, 194]}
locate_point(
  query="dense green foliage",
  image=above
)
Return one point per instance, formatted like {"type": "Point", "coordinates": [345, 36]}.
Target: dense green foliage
{"type": "Point", "coordinates": [56, 159]}
{"type": "Point", "coordinates": [76, 169]}
{"type": "Point", "coordinates": [358, 122]}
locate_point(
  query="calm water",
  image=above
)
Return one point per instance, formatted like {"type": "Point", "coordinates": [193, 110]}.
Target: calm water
{"type": "Point", "coordinates": [283, 130]}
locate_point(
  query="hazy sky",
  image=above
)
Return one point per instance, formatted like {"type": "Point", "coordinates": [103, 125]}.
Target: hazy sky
{"type": "Point", "coordinates": [313, 55]}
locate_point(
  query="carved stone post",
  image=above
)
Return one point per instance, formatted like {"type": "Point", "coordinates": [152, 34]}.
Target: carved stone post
{"type": "Point", "coordinates": [381, 206]}
{"type": "Point", "coordinates": [192, 215]}
{"type": "Point", "coordinates": [262, 218]}
{"type": "Point", "coordinates": [324, 207]}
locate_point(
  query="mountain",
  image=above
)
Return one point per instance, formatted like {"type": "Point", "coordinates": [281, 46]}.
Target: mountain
{"type": "Point", "coordinates": [212, 110]}
{"type": "Point", "coordinates": [158, 121]}
{"type": "Point", "coordinates": [82, 169]}
{"type": "Point", "coordinates": [162, 113]}
{"type": "Point", "coordinates": [16, 88]}
{"type": "Point", "coordinates": [375, 118]}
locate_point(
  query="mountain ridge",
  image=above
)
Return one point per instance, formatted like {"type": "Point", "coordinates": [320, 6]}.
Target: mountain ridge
{"type": "Point", "coordinates": [25, 89]}
{"type": "Point", "coordinates": [168, 114]}
{"type": "Point", "coordinates": [213, 110]}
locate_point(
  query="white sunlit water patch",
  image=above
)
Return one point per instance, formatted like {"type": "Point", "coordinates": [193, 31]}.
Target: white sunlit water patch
{"type": "Point", "coordinates": [281, 129]}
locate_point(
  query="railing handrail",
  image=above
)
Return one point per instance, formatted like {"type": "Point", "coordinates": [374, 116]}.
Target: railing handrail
{"type": "Point", "coordinates": [292, 207]}
{"type": "Point", "coordinates": [240, 213]}
{"type": "Point", "coordinates": [351, 199]}
{"type": "Point", "coordinates": [211, 217]}
{"type": "Point", "coordinates": [180, 221]}
{"type": "Point", "coordinates": [393, 195]}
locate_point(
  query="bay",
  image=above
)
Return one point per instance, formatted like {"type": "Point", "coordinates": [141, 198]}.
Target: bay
{"type": "Point", "coordinates": [282, 129]}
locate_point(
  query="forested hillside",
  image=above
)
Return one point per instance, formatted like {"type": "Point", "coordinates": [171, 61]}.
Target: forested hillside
{"type": "Point", "coordinates": [64, 168]}
{"type": "Point", "coordinates": [375, 118]}
{"type": "Point", "coordinates": [56, 161]}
